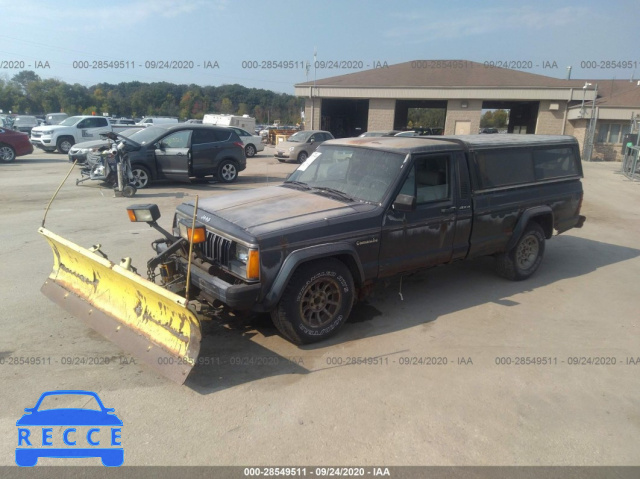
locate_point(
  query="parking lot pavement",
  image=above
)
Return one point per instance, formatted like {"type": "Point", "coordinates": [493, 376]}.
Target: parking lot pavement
{"type": "Point", "coordinates": [463, 368]}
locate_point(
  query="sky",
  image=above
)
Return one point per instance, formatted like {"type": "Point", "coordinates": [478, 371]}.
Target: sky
{"type": "Point", "coordinates": [215, 42]}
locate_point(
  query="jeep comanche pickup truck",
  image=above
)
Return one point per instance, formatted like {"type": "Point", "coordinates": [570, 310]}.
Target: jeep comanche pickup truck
{"type": "Point", "coordinates": [362, 209]}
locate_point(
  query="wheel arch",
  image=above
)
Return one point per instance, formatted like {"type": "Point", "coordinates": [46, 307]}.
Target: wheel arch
{"type": "Point", "coordinates": [152, 171]}
{"type": "Point", "coordinates": [343, 252]}
{"type": "Point", "coordinates": [543, 215]}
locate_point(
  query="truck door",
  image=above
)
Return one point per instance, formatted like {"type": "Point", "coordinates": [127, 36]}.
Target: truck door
{"type": "Point", "coordinates": [424, 236]}
{"type": "Point", "coordinates": [90, 128]}
{"type": "Point", "coordinates": [173, 156]}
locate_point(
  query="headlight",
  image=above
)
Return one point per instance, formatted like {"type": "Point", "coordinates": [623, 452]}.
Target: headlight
{"type": "Point", "coordinates": [143, 213]}
{"type": "Point", "coordinates": [246, 262]}
{"type": "Point", "coordinates": [292, 148]}
{"type": "Point", "coordinates": [47, 132]}
{"type": "Point", "coordinates": [242, 253]}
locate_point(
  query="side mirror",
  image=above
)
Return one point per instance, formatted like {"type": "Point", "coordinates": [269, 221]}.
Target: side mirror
{"type": "Point", "coordinates": [404, 203]}
{"type": "Point", "coordinates": [312, 140]}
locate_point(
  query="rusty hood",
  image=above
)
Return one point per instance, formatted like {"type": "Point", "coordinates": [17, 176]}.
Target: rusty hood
{"type": "Point", "coordinates": [272, 208]}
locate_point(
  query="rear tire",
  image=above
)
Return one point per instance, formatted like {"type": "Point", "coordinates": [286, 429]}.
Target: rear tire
{"type": "Point", "coordinates": [316, 302]}
{"type": "Point", "coordinates": [227, 171]}
{"type": "Point", "coordinates": [525, 257]}
{"type": "Point", "coordinates": [250, 151]}
{"type": "Point", "coordinates": [7, 154]}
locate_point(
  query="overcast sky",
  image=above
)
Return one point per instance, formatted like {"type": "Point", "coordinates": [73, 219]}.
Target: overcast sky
{"type": "Point", "coordinates": [200, 33]}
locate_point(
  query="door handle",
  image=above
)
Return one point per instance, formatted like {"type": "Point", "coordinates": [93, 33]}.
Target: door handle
{"type": "Point", "coordinates": [447, 211]}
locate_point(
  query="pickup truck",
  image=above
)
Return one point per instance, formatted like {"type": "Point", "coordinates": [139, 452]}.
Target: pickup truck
{"type": "Point", "coordinates": [359, 210]}
{"type": "Point", "coordinates": [356, 211]}
{"type": "Point", "coordinates": [75, 129]}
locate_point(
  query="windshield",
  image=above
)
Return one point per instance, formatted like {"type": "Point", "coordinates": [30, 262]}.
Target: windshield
{"type": "Point", "coordinates": [149, 134]}
{"type": "Point", "coordinates": [26, 120]}
{"type": "Point", "coordinates": [300, 137]}
{"type": "Point", "coordinates": [72, 120]}
{"type": "Point", "coordinates": [360, 173]}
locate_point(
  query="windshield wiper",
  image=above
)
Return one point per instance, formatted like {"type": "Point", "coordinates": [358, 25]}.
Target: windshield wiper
{"type": "Point", "coordinates": [301, 184]}
{"type": "Point", "coordinates": [335, 192]}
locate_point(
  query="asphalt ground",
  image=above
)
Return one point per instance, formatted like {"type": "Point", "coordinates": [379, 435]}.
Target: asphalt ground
{"type": "Point", "coordinates": [439, 375]}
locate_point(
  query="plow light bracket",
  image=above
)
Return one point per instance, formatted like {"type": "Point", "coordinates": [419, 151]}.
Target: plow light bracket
{"type": "Point", "coordinates": [143, 213]}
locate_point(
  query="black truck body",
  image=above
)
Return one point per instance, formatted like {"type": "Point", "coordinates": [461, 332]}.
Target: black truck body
{"type": "Point", "coordinates": [362, 209]}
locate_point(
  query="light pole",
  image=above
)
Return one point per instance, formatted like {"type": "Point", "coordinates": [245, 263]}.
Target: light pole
{"type": "Point", "coordinates": [584, 92]}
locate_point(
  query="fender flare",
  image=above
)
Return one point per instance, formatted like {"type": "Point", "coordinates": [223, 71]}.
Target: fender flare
{"type": "Point", "coordinates": [304, 255]}
{"type": "Point", "coordinates": [524, 220]}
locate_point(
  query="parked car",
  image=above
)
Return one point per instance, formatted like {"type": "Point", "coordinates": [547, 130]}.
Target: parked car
{"type": "Point", "coordinates": [123, 121]}
{"type": "Point", "coordinates": [25, 123]}
{"type": "Point", "coordinates": [161, 120]}
{"type": "Point", "coordinates": [183, 151]}
{"type": "Point", "coordinates": [79, 151]}
{"type": "Point", "coordinates": [379, 133]}
{"type": "Point", "coordinates": [488, 130]}
{"type": "Point", "coordinates": [192, 120]}
{"type": "Point", "coordinates": [13, 144]}
{"type": "Point", "coordinates": [363, 210]}
{"type": "Point", "coordinates": [301, 145]}
{"type": "Point", "coordinates": [75, 129]}
{"type": "Point", "coordinates": [422, 132]}
{"type": "Point", "coordinates": [252, 143]}
{"type": "Point", "coordinates": [55, 118]}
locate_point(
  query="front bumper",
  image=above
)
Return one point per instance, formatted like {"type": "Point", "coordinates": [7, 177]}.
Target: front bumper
{"type": "Point", "coordinates": [80, 156]}
{"type": "Point", "coordinates": [43, 142]}
{"type": "Point", "coordinates": [241, 297]}
{"type": "Point", "coordinates": [281, 154]}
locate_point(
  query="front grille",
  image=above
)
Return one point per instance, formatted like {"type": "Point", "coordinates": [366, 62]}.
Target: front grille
{"type": "Point", "coordinates": [217, 249]}
{"type": "Point", "coordinates": [36, 134]}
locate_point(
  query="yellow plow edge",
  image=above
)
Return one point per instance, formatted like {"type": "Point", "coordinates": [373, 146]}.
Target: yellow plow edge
{"type": "Point", "coordinates": [143, 318]}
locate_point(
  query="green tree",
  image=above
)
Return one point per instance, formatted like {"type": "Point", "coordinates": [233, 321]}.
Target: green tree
{"type": "Point", "coordinates": [226, 106]}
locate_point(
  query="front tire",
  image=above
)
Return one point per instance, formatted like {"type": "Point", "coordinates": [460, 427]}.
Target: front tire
{"type": "Point", "coordinates": [316, 302]}
{"type": "Point", "coordinates": [250, 151]}
{"type": "Point", "coordinates": [64, 145]}
{"type": "Point", "coordinates": [525, 257]}
{"type": "Point", "coordinates": [141, 177]}
{"type": "Point", "coordinates": [7, 154]}
{"type": "Point", "coordinates": [227, 171]}
{"type": "Point", "coordinates": [302, 157]}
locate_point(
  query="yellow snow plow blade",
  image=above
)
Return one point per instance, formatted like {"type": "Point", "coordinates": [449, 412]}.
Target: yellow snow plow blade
{"type": "Point", "coordinates": [144, 319]}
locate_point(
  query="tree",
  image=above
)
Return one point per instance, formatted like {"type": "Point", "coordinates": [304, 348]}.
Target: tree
{"type": "Point", "coordinates": [226, 106]}
{"type": "Point", "coordinates": [24, 78]}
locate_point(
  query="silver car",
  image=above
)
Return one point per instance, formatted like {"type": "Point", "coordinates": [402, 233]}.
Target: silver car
{"type": "Point", "coordinates": [300, 145]}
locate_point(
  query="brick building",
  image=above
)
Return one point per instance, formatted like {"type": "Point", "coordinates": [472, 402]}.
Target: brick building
{"type": "Point", "coordinates": [379, 99]}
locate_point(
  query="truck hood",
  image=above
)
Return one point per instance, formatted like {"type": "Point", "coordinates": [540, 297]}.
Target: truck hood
{"type": "Point", "coordinates": [49, 128]}
{"type": "Point", "coordinates": [274, 208]}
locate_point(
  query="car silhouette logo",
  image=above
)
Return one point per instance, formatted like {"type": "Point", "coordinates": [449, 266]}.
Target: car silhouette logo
{"type": "Point", "coordinates": [69, 432]}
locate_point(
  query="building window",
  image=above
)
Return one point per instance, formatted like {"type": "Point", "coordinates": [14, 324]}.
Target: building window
{"type": "Point", "coordinates": [612, 132]}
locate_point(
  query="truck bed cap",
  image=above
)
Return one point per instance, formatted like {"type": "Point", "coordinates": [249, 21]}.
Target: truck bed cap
{"type": "Point", "coordinates": [452, 142]}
